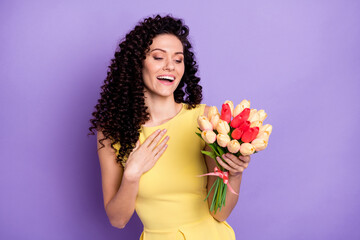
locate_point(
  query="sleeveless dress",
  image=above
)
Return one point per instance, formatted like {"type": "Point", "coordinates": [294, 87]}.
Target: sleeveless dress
{"type": "Point", "coordinates": [170, 201]}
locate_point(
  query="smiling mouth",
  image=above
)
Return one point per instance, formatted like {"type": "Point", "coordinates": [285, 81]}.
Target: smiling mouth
{"type": "Point", "coordinates": [166, 78]}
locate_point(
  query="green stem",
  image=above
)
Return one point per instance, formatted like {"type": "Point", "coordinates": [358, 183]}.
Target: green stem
{"type": "Point", "coordinates": [210, 191]}
{"type": "Point", "coordinates": [213, 200]}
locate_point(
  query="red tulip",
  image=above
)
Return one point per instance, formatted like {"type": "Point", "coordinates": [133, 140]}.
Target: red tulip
{"type": "Point", "coordinates": [245, 114]}
{"type": "Point", "coordinates": [250, 134]}
{"type": "Point", "coordinates": [225, 113]}
{"type": "Point", "coordinates": [237, 121]}
{"type": "Point", "coordinates": [245, 125]}
{"type": "Point", "coordinates": [237, 133]}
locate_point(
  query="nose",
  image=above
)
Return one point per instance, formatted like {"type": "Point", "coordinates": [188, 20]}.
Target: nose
{"type": "Point", "coordinates": [169, 65]}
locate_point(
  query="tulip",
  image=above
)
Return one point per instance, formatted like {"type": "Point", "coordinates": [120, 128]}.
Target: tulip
{"type": "Point", "coordinates": [266, 128]}
{"type": "Point", "coordinates": [262, 115]}
{"type": "Point", "coordinates": [240, 118]}
{"type": "Point", "coordinates": [233, 146]}
{"type": "Point", "coordinates": [215, 120]}
{"type": "Point", "coordinates": [245, 126]}
{"type": "Point", "coordinates": [231, 105]}
{"type": "Point", "coordinates": [241, 106]}
{"type": "Point", "coordinates": [237, 133]}
{"type": "Point", "coordinates": [259, 144]}
{"type": "Point", "coordinates": [212, 111]}
{"type": "Point", "coordinates": [246, 149]}
{"type": "Point", "coordinates": [222, 139]}
{"type": "Point", "coordinates": [223, 127]}
{"type": "Point", "coordinates": [256, 124]}
{"type": "Point", "coordinates": [254, 116]}
{"type": "Point", "coordinates": [263, 135]}
{"type": "Point", "coordinates": [237, 121]}
{"type": "Point", "coordinates": [226, 112]}
{"type": "Point", "coordinates": [204, 123]}
{"type": "Point", "coordinates": [250, 134]}
{"type": "Point", "coordinates": [209, 136]}
{"type": "Point", "coordinates": [245, 114]}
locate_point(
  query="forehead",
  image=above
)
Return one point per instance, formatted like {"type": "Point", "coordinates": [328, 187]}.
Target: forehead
{"type": "Point", "coordinates": [167, 42]}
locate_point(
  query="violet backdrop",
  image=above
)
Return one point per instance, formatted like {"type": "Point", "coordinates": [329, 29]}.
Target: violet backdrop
{"type": "Point", "coordinates": [298, 60]}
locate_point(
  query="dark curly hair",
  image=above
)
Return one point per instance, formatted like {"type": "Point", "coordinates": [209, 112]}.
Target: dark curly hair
{"type": "Point", "coordinates": [121, 109]}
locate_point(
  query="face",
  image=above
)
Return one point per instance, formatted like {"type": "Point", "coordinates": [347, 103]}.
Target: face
{"type": "Point", "coordinates": [164, 66]}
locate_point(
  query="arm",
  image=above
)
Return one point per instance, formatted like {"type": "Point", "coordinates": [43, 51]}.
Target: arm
{"type": "Point", "coordinates": [231, 199]}
{"type": "Point", "coordinates": [120, 186]}
{"type": "Point", "coordinates": [119, 191]}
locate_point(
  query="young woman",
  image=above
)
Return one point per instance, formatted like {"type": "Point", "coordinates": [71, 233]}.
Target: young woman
{"type": "Point", "coordinates": [149, 154]}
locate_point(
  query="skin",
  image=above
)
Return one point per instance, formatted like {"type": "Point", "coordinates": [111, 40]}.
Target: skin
{"type": "Point", "coordinates": [120, 185]}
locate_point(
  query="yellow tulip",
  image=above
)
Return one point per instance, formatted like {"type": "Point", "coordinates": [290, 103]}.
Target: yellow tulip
{"type": "Point", "coordinates": [247, 149]}
{"type": "Point", "coordinates": [262, 115]}
{"type": "Point", "coordinates": [222, 139]}
{"type": "Point", "coordinates": [263, 135]}
{"type": "Point", "coordinates": [204, 123]}
{"type": "Point", "coordinates": [223, 127]}
{"type": "Point", "coordinates": [215, 120]}
{"type": "Point", "coordinates": [254, 116]}
{"type": "Point", "coordinates": [241, 106]}
{"type": "Point", "coordinates": [259, 144]}
{"type": "Point", "coordinates": [266, 128]}
{"type": "Point", "coordinates": [209, 136]}
{"type": "Point", "coordinates": [212, 111]}
{"type": "Point", "coordinates": [256, 124]}
{"type": "Point", "coordinates": [233, 146]}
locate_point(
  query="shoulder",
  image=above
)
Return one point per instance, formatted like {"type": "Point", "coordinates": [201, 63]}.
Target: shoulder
{"type": "Point", "coordinates": [200, 109]}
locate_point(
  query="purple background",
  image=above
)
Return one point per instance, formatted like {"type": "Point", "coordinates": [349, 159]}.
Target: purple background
{"type": "Point", "coordinates": [298, 60]}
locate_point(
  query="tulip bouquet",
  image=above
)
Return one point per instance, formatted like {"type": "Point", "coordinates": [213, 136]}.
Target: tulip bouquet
{"type": "Point", "coordinates": [238, 130]}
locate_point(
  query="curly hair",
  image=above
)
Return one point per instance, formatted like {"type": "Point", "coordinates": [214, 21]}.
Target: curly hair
{"type": "Point", "coordinates": [121, 109]}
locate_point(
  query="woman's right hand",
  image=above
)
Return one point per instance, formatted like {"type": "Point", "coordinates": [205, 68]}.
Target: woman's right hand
{"type": "Point", "coordinates": [144, 156]}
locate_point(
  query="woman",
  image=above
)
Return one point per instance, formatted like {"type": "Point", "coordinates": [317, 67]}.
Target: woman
{"type": "Point", "coordinates": [147, 122]}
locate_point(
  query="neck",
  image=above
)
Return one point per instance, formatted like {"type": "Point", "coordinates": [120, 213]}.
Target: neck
{"type": "Point", "coordinates": [161, 109]}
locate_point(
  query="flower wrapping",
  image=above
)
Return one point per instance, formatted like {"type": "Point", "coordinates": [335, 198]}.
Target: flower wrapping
{"type": "Point", "coordinates": [238, 130]}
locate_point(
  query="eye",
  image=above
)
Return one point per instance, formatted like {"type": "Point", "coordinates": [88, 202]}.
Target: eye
{"type": "Point", "coordinates": [157, 58]}
{"type": "Point", "coordinates": [178, 61]}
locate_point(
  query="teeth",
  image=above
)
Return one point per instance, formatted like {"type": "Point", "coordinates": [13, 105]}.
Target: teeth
{"type": "Point", "coordinates": [166, 78]}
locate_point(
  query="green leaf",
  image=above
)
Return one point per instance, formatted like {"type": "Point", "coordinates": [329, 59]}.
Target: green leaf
{"type": "Point", "coordinates": [221, 152]}
{"type": "Point", "coordinates": [213, 147]}
{"type": "Point", "coordinates": [210, 154]}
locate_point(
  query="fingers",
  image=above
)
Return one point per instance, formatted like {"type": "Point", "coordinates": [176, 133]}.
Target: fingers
{"type": "Point", "coordinates": [160, 149]}
{"type": "Point", "coordinates": [156, 140]}
{"type": "Point", "coordinates": [232, 163]}
{"type": "Point", "coordinates": [149, 139]}
{"type": "Point", "coordinates": [235, 163]}
{"type": "Point", "coordinates": [245, 158]}
{"type": "Point", "coordinates": [137, 144]}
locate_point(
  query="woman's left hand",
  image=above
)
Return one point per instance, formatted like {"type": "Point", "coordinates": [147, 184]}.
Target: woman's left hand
{"type": "Point", "coordinates": [235, 165]}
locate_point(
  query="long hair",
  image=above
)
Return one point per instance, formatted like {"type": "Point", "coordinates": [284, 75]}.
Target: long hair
{"type": "Point", "coordinates": [121, 109]}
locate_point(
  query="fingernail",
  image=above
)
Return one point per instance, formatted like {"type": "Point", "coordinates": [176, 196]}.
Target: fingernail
{"type": "Point", "coordinates": [164, 130]}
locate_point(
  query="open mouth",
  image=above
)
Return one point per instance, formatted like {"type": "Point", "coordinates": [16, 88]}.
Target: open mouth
{"type": "Point", "coordinates": [166, 78]}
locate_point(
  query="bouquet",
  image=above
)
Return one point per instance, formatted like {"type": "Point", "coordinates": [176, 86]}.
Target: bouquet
{"type": "Point", "coordinates": [238, 130]}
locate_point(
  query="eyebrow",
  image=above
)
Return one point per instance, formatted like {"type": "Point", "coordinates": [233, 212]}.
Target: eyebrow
{"type": "Point", "coordinates": [165, 51]}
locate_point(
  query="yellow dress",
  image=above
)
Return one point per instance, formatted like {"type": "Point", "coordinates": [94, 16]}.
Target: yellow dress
{"type": "Point", "coordinates": [170, 201]}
